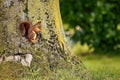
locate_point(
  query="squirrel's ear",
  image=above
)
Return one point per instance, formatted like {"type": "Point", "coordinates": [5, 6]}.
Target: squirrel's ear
{"type": "Point", "coordinates": [38, 24]}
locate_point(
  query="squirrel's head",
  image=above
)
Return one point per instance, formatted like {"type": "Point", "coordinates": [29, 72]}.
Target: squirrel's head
{"type": "Point", "coordinates": [37, 27]}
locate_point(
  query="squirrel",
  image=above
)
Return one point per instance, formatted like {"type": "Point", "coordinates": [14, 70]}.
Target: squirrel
{"type": "Point", "coordinates": [30, 32]}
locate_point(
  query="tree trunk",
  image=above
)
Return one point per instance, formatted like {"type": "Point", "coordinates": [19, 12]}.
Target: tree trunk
{"type": "Point", "coordinates": [51, 55]}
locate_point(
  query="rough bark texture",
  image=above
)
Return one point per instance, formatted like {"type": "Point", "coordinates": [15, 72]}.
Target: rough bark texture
{"type": "Point", "coordinates": [49, 55]}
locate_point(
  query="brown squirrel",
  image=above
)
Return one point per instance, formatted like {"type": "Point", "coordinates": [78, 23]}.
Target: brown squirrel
{"type": "Point", "coordinates": [30, 32]}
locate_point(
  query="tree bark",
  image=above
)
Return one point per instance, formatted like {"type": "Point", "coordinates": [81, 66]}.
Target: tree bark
{"type": "Point", "coordinates": [50, 54]}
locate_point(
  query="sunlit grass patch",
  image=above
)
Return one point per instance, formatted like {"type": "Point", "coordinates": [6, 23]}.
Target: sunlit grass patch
{"type": "Point", "coordinates": [103, 67]}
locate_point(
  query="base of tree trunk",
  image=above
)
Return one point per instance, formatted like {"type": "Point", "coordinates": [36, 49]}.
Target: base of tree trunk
{"type": "Point", "coordinates": [44, 70]}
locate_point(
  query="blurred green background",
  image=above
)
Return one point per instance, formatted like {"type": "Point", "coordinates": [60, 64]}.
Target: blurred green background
{"type": "Point", "coordinates": [93, 29]}
{"type": "Point", "coordinates": [93, 22]}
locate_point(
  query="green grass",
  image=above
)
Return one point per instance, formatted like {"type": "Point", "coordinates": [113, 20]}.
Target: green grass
{"type": "Point", "coordinates": [103, 67]}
